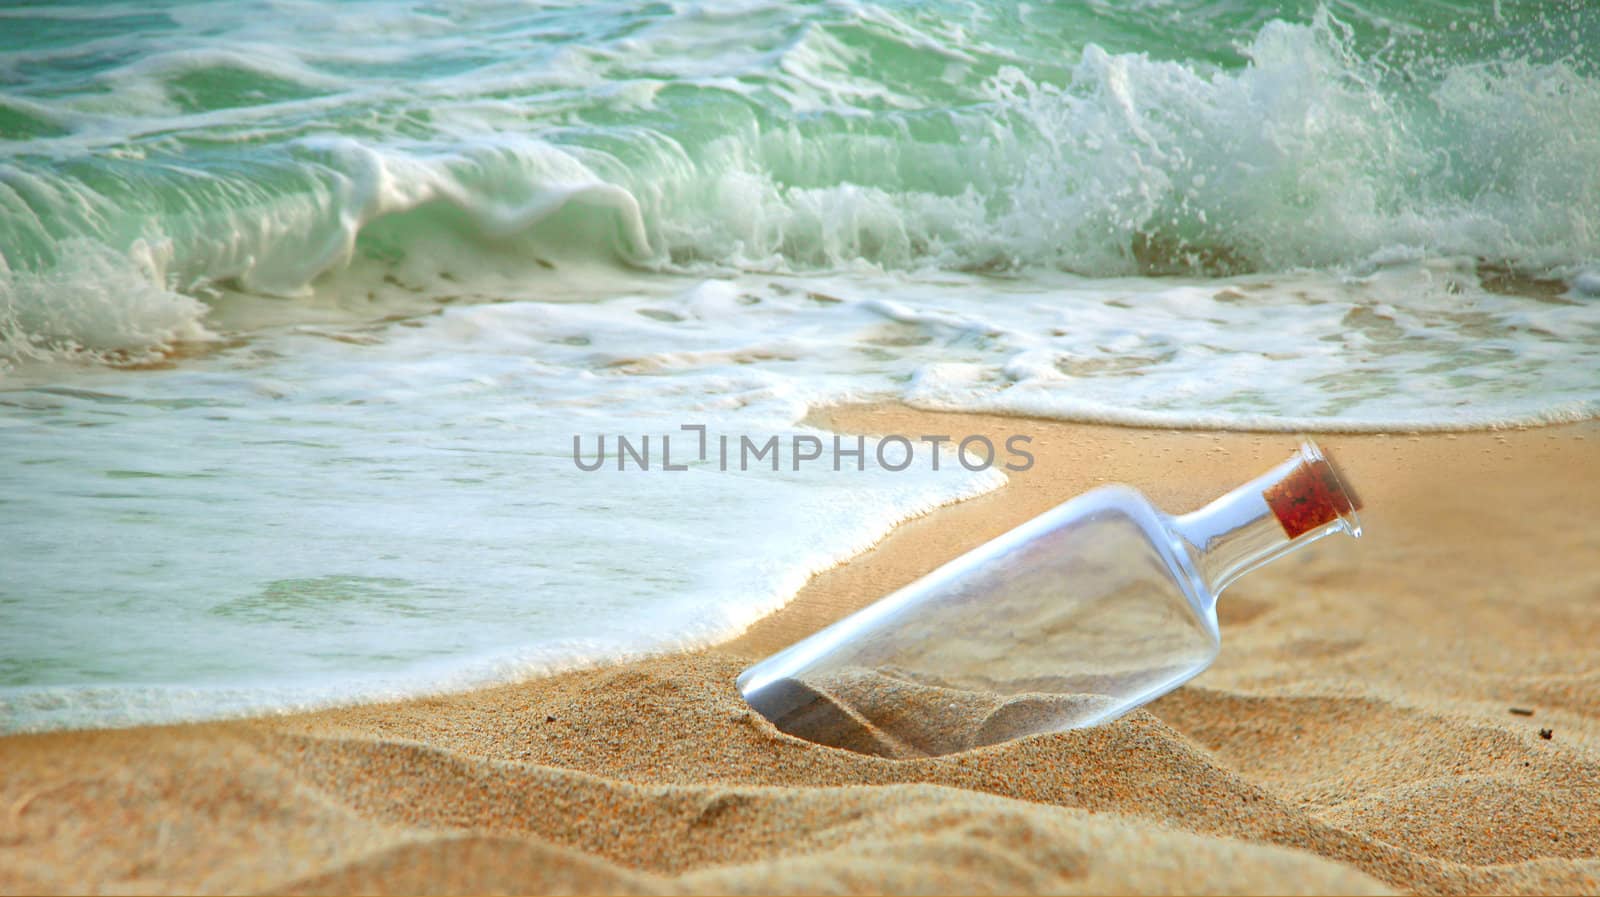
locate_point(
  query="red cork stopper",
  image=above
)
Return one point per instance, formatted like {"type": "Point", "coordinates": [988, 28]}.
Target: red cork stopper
{"type": "Point", "coordinates": [1309, 497]}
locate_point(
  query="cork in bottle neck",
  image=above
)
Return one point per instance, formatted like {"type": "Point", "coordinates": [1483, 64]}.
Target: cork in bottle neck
{"type": "Point", "coordinates": [1311, 496]}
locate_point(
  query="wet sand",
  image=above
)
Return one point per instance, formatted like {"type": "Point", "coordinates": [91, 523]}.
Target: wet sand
{"type": "Point", "coordinates": [1356, 735]}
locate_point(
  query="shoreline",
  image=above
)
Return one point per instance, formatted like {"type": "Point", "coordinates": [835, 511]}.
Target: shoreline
{"type": "Point", "coordinates": [1355, 733]}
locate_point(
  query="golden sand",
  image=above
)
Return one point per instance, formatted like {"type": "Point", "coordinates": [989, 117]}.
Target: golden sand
{"type": "Point", "coordinates": [1356, 735]}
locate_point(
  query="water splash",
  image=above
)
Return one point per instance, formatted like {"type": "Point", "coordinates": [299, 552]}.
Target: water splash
{"type": "Point", "coordinates": [269, 153]}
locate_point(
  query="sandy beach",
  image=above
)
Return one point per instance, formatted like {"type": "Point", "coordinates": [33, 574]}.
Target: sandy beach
{"type": "Point", "coordinates": [1416, 711]}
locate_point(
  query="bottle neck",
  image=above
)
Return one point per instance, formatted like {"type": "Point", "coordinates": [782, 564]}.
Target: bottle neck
{"type": "Point", "coordinates": [1294, 504]}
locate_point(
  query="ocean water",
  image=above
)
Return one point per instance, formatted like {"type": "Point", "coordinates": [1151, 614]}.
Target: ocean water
{"type": "Point", "coordinates": [303, 304]}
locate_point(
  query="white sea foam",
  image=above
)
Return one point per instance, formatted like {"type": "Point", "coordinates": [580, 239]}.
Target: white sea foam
{"type": "Point", "coordinates": [355, 518]}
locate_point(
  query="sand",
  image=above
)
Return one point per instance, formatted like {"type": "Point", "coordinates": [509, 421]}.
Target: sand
{"type": "Point", "coordinates": [1356, 735]}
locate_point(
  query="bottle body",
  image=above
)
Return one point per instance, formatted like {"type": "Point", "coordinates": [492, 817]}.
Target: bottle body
{"type": "Point", "coordinates": [1072, 619]}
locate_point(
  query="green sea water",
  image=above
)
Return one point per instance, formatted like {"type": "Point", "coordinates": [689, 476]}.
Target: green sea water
{"type": "Point", "coordinates": [187, 146]}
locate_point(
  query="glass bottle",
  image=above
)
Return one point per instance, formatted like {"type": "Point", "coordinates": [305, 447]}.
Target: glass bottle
{"type": "Point", "coordinates": [1072, 619]}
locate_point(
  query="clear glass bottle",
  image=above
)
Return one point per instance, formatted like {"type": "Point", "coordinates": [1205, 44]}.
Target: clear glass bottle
{"type": "Point", "coordinates": [1070, 620]}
